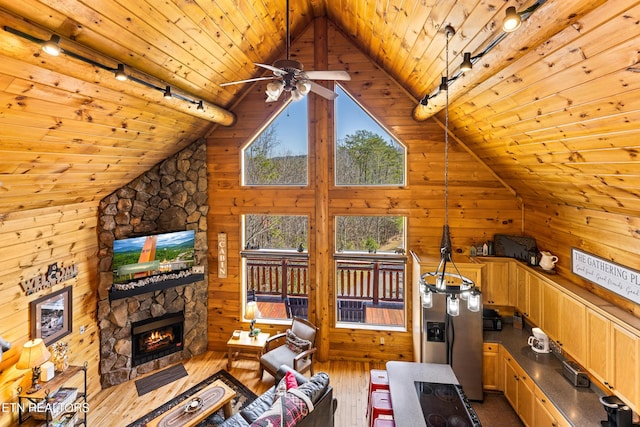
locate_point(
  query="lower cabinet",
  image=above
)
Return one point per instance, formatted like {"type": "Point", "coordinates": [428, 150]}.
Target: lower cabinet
{"type": "Point", "coordinates": [531, 404]}
{"type": "Point", "coordinates": [491, 378]}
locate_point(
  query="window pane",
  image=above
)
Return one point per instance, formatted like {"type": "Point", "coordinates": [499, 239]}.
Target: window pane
{"type": "Point", "coordinates": [370, 270]}
{"type": "Point", "coordinates": [276, 264]}
{"type": "Point", "coordinates": [279, 154]}
{"type": "Point", "coordinates": [366, 154]}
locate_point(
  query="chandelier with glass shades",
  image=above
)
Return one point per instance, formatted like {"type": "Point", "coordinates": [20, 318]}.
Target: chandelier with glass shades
{"type": "Point", "coordinates": [446, 279]}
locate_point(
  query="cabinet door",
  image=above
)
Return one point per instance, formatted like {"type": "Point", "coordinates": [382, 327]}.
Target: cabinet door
{"type": "Point", "coordinates": [496, 290]}
{"type": "Point", "coordinates": [510, 381]}
{"type": "Point", "coordinates": [598, 354]}
{"type": "Point", "coordinates": [550, 307]}
{"type": "Point", "coordinates": [490, 367]}
{"type": "Point", "coordinates": [542, 417]}
{"type": "Point", "coordinates": [625, 364]}
{"type": "Point", "coordinates": [522, 290]}
{"type": "Point", "coordinates": [535, 298]}
{"type": "Point", "coordinates": [573, 335]}
{"type": "Point", "coordinates": [526, 398]}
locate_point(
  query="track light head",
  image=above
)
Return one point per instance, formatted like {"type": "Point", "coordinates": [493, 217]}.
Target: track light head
{"type": "Point", "coordinates": [120, 74]}
{"type": "Point", "coordinates": [512, 20]}
{"type": "Point", "coordinates": [200, 106]}
{"type": "Point", "coordinates": [167, 92]}
{"type": "Point", "coordinates": [444, 83]}
{"type": "Point", "coordinates": [466, 65]}
{"type": "Point", "coordinates": [52, 46]}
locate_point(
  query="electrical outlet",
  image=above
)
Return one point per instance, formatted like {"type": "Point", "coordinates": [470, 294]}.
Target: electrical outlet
{"type": "Point", "coordinates": [81, 329]}
{"type": "Point", "coordinates": [381, 340]}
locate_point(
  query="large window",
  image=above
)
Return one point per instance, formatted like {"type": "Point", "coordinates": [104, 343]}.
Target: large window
{"type": "Point", "coordinates": [370, 268]}
{"type": "Point", "coordinates": [278, 155]}
{"type": "Point", "coordinates": [276, 264]}
{"type": "Point", "coordinates": [366, 154]}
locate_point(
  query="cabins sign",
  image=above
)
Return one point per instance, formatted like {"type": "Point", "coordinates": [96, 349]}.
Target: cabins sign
{"type": "Point", "coordinates": [611, 276]}
{"type": "Point", "coordinates": [53, 276]}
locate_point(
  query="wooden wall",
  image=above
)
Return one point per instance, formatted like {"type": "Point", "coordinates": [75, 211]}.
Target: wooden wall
{"type": "Point", "coordinates": [480, 205]}
{"type": "Point", "coordinates": [31, 241]}
{"type": "Point", "coordinates": [612, 236]}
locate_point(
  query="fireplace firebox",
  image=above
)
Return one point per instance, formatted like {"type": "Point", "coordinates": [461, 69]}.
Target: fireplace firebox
{"type": "Point", "coordinates": [157, 337]}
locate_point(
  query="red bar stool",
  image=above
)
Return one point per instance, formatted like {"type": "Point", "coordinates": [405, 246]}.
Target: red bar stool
{"type": "Point", "coordinates": [378, 380]}
{"type": "Point", "coordinates": [380, 405]}
{"type": "Point", "coordinates": [383, 422]}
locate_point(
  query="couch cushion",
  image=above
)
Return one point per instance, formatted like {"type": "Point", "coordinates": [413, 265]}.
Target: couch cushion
{"type": "Point", "coordinates": [256, 408]}
{"type": "Point", "coordinates": [316, 386]}
{"type": "Point", "coordinates": [296, 406]}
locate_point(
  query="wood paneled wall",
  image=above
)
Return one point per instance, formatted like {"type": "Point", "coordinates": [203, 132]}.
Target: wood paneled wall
{"type": "Point", "coordinates": [479, 205]}
{"type": "Point", "coordinates": [612, 236]}
{"type": "Point", "coordinates": [31, 241]}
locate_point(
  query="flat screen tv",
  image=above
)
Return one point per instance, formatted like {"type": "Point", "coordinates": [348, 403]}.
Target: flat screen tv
{"type": "Point", "coordinates": [139, 257]}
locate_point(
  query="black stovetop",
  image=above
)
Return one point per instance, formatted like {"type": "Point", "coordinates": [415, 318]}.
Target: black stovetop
{"type": "Point", "coordinates": [445, 405]}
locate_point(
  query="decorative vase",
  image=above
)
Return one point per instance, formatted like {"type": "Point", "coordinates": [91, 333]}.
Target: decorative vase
{"type": "Point", "coordinates": [61, 363]}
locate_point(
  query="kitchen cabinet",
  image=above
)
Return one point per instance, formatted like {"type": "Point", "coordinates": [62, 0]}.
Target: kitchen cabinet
{"type": "Point", "coordinates": [495, 290]}
{"type": "Point", "coordinates": [545, 414]}
{"type": "Point", "coordinates": [564, 319]}
{"type": "Point", "coordinates": [518, 389]}
{"type": "Point", "coordinates": [491, 378]}
{"type": "Point", "coordinates": [550, 311]}
{"type": "Point", "coordinates": [529, 290]}
{"type": "Point", "coordinates": [598, 346]}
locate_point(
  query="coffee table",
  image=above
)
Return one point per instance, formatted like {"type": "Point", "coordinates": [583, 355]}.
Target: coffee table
{"type": "Point", "coordinates": [198, 407]}
{"type": "Point", "coordinates": [246, 347]}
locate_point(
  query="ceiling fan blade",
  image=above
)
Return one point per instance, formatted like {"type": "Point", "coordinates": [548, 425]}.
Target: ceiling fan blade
{"type": "Point", "coordinates": [277, 71]}
{"type": "Point", "coordinates": [323, 91]}
{"type": "Point", "coordinates": [328, 75]}
{"type": "Point", "coordinates": [247, 81]}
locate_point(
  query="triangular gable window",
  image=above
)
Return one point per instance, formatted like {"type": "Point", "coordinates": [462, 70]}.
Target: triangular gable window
{"type": "Point", "coordinates": [278, 155]}
{"type": "Point", "coordinates": [366, 154]}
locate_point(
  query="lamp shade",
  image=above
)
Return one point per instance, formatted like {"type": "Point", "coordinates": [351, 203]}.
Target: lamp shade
{"type": "Point", "coordinates": [252, 310]}
{"type": "Point", "coordinates": [34, 353]}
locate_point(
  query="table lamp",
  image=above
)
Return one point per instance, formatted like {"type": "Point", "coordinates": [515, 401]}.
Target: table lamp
{"type": "Point", "coordinates": [252, 314]}
{"type": "Point", "coordinates": [34, 354]}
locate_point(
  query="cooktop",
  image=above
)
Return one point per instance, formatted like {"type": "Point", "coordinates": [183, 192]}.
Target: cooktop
{"type": "Point", "coordinates": [445, 405]}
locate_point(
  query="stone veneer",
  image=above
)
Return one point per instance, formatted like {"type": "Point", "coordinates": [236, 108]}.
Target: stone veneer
{"type": "Point", "coordinates": [171, 196]}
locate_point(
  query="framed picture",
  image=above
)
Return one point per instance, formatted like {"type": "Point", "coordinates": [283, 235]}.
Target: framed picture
{"type": "Point", "coordinates": [51, 316]}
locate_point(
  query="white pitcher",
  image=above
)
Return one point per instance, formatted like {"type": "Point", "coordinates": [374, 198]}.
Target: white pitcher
{"type": "Point", "coordinates": [548, 261]}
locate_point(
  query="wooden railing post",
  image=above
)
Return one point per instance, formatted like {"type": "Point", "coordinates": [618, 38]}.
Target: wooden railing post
{"type": "Point", "coordinates": [376, 282]}
{"type": "Point", "coordinates": [285, 278]}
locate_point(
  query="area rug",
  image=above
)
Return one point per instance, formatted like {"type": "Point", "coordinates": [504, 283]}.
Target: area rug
{"type": "Point", "coordinates": [159, 379]}
{"type": "Point", "coordinates": [244, 396]}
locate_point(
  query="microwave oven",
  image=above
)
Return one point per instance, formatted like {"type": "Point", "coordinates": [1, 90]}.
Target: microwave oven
{"type": "Point", "coordinates": [491, 320]}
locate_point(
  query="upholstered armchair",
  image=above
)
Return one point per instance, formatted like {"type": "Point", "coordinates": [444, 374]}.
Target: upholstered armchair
{"type": "Point", "coordinates": [294, 348]}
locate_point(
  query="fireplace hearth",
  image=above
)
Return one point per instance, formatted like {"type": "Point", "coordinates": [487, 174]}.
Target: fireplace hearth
{"type": "Point", "coordinates": [157, 337]}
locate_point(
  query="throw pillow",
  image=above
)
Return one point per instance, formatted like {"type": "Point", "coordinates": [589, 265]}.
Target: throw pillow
{"type": "Point", "coordinates": [290, 380]}
{"type": "Point", "coordinates": [296, 406]}
{"type": "Point", "coordinates": [297, 344]}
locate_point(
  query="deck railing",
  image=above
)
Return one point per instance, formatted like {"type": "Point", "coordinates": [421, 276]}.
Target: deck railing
{"type": "Point", "coordinates": [367, 278]}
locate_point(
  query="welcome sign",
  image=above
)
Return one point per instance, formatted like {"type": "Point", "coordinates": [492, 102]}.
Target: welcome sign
{"type": "Point", "coordinates": [614, 277]}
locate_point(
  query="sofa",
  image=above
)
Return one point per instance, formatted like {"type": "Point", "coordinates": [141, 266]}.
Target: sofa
{"type": "Point", "coordinates": [316, 388]}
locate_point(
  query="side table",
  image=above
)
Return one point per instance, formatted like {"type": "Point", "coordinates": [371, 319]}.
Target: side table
{"type": "Point", "coordinates": [246, 347]}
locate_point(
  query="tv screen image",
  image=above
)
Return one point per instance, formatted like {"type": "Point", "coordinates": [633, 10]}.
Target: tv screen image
{"type": "Point", "coordinates": [139, 257]}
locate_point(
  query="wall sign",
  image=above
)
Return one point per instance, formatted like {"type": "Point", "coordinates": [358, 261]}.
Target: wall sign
{"type": "Point", "coordinates": [53, 276]}
{"type": "Point", "coordinates": [614, 277]}
{"type": "Point", "coordinates": [222, 255]}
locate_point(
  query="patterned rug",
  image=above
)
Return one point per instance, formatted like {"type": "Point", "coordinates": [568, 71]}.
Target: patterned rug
{"type": "Point", "coordinates": [243, 397]}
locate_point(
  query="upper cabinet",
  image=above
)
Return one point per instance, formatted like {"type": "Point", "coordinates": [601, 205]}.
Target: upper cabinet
{"type": "Point", "coordinates": [495, 288]}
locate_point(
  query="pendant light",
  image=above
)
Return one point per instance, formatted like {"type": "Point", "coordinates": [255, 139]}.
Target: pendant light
{"type": "Point", "coordinates": [446, 279]}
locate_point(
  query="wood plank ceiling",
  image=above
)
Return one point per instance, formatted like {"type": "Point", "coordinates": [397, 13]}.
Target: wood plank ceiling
{"type": "Point", "coordinates": [552, 109]}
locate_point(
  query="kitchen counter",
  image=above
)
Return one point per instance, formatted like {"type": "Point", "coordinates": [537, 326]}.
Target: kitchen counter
{"type": "Point", "coordinates": [402, 375]}
{"type": "Point", "coordinates": [581, 406]}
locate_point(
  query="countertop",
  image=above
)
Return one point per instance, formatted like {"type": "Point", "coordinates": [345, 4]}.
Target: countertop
{"type": "Point", "coordinates": [406, 405]}
{"type": "Point", "coordinates": [581, 406]}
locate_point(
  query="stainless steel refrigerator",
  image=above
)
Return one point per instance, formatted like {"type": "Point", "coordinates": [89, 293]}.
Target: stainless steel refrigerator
{"type": "Point", "coordinates": [456, 341]}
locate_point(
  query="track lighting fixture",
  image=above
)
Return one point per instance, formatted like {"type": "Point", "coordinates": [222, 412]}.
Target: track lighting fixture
{"type": "Point", "coordinates": [52, 47]}
{"type": "Point", "coordinates": [466, 65]}
{"type": "Point", "coordinates": [120, 74]}
{"type": "Point", "coordinates": [512, 20]}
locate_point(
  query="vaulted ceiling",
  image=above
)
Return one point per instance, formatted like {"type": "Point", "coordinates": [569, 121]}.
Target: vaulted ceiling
{"type": "Point", "coordinates": [552, 108]}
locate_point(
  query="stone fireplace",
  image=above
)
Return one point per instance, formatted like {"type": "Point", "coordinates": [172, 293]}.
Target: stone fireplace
{"type": "Point", "coordinates": [171, 196]}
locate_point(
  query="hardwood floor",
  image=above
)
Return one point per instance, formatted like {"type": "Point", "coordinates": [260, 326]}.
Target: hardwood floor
{"type": "Point", "coordinates": [120, 405]}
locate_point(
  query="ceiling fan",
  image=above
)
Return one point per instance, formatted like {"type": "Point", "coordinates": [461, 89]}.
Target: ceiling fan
{"type": "Point", "coordinates": [288, 76]}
